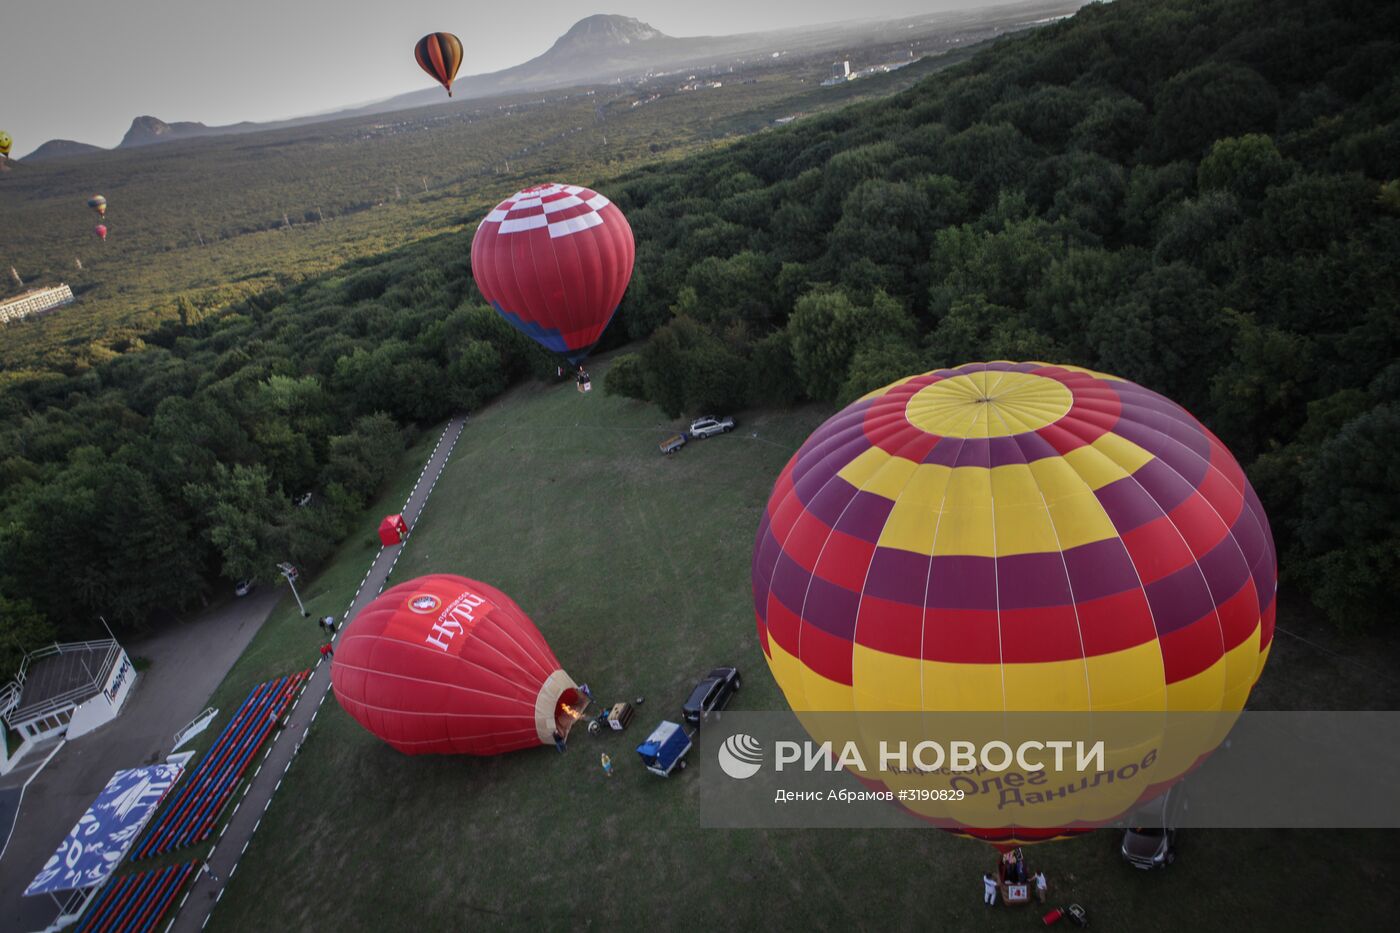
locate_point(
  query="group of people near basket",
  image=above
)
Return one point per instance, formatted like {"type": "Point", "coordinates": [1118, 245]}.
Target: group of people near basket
{"type": "Point", "coordinates": [1012, 870]}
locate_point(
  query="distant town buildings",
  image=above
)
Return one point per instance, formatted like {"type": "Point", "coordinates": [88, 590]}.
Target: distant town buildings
{"type": "Point", "coordinates": [841, 71]}
{"type": "Point", "coordinates": [38, 301]}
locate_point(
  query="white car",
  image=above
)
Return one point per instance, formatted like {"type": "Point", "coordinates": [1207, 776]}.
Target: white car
{"type": "Point", "coordinates": [710, 425]}
{"type": "Point", "coordinates": [243, 588]}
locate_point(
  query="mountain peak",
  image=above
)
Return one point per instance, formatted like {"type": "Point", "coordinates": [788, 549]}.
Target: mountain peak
{"type": "Point", "coordinates": [147, 130]}
{"type": "Point", "coordinates": [60, 149]}
{"type": "Point", "coordinates": [604, 30]}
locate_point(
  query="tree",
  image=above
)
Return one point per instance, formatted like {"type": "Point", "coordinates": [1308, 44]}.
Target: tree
{"type": "Point", "coordinates": [1350, 532]}
{"type": "Point", "coordinates": [1245, 166]}
{"type": "Point", "coordinates": [988, 158]}
{"type": "Point", "coordinates": [1152, 192]}
{"type": "Point", "coordinates": [1196, 231]}
{"type": "Point", "coordinates": [1114, 127]}
{"type": "Point", "coordinates": [720, 292]}
{"type": "Point", "coordinates": [1259, 394]}
{"type": "Point", "coordinates": [688, 368]}
{"type": "Point", "coordinates": [772, 375]}
{"type": "Point", "coordinates": [97, 539]}
{"type": "Point", "coordinates": [359, 461]}
{"type": "Point", "coordinates": [1209, 102]}
{"type": "Point", "coordinates": [245, 513]}
{"type": "Point", "coordinates": [475, 375]}
{"type": "Point", "coordinates": [975, 329]}
{"type": "Point", "coordinates": [1167, 334]}
{"type": "Point", "coordinates": [22, 629]}
{"type": "Point", "coordinates": [625, 377]}
{"type": "Point", "coordinates": [877, 365]}
{"type": "Point", "coordinates": [886, 223]}
{"type": "Point", "coordinates": [827, 328]}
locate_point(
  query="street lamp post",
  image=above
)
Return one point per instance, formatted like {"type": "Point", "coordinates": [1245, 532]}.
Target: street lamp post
{"type": "Point", "coordinates": [290, 573]}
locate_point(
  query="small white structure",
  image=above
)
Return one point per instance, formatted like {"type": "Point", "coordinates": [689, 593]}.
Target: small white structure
{"type": "Point", "coordinates": [38, 301]}
{"type": "Point", "coordinates": [65, 690]}
{"type": "Point", "coordinates": [197, 725]}
{"type": "Point", "coordinates": [840, 74]}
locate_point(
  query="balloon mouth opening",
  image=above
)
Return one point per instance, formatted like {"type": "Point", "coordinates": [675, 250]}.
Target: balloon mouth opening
{"type": "Point", "coordinates": [569, 709]}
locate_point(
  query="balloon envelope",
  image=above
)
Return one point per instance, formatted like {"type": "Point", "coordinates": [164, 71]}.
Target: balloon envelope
{"type": "Point", "coordinates": [1015, 537]}
{"type": "Point", "coordinates": [554, 260]}
{"type": "Point", "coordinates": [101, 231]}
{"type": "Point", "coordinates": [98, 203]}
{"type": "Point", "coordinates": [447, 665]}
{"type": "Point", "coordinates": [5, 143]}
{"type": "Point", "coordinates": [440, 55]}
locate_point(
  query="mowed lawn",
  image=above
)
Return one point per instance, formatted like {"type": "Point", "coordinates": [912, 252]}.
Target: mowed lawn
{"type": "Point", "coordinates": [635, 567]}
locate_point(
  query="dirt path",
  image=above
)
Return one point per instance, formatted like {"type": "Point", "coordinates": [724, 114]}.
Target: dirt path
{"type": "Point", "coordinates": [188, 661]}
{"type": "Point", "coordinates": [198, 903]}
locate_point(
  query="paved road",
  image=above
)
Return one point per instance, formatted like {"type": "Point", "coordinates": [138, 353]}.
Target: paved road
{"type": "Point", "coordinates": [198, 903]}
{"type": "Point", "coordinates": [188, 661]}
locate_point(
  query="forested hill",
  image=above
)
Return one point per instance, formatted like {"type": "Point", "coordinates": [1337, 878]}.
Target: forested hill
{"type": "Point", "coordinates": [1199, 196]}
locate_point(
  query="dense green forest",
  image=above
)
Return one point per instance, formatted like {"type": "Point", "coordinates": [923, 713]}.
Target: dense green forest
{"type": "Point", "coordinates": [198, 225]}
{"type": "Point", "coordinates": [1199, 196]}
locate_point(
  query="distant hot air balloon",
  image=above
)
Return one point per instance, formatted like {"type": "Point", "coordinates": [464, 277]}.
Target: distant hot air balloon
{"type": "Point", "coordinates": [447, 665]}
{"type": "Point", "coordinates": [440, 55]}
{"type": "Point", "coordinates": [101, 231]}
{"type": "Point", "coordinates": [5, 143]}
{"type": "Point", "coordinates": [1017, 537]}
{"type": "Point", "coordinates": [554, 260]}
{"type": "Point", "coordinates": [98, 203]}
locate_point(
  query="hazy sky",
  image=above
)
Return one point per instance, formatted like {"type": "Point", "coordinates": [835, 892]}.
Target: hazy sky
{"type": "Point", "coordinates": [82, 69]}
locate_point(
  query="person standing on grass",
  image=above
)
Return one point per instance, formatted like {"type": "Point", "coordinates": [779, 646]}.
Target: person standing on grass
{"type": "Point", "coordinates": [606, 761]}
{"type": "Point", "coordinates": [1041, 885]}
{"type": "Point", "coordinates": [989, 890]}
{"type": "Point", "coordinates": [327, 651]}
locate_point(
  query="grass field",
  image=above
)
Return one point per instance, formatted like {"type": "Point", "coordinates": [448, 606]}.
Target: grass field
{"type": "Point", "coordinates": [635, 567]}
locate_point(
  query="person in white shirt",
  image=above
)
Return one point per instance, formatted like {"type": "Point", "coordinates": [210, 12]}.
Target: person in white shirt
{"type": "Point", "coordinates": [1040, 886]}
{"type": "Point", "coordinates": [989, 890]}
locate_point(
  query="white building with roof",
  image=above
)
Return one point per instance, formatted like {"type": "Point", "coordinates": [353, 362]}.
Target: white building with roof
{"type": "Point", "coordinates": [37, 301]}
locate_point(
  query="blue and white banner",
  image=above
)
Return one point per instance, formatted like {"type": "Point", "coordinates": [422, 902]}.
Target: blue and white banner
{"type": "Point", "coordinates": [95, 846]}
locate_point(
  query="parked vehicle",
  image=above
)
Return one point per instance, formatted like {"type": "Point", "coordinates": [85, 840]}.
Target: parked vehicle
{"type": "Point", "coordinates": [243, 587]}
{"type": "Point", "coordinates": [673, 444]}
{"type": "Point", "coordinates": [709, 425]}
{"type": "Point", "coordinates": [665, 749]}
{"type": "Point", "coordinates": [711, 694]}
{"type": "Point", "coordinates": [1150, 839]}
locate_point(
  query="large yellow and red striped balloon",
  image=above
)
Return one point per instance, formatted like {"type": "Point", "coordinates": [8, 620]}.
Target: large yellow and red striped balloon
{"type": "Point", "coordinates": [1014, 537]}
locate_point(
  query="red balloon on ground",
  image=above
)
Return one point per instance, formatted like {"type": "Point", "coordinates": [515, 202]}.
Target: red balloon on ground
{"type": "Point", "coordinates": [100, 230]}
{"type": "Point", "coordinates": [447, 665]}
